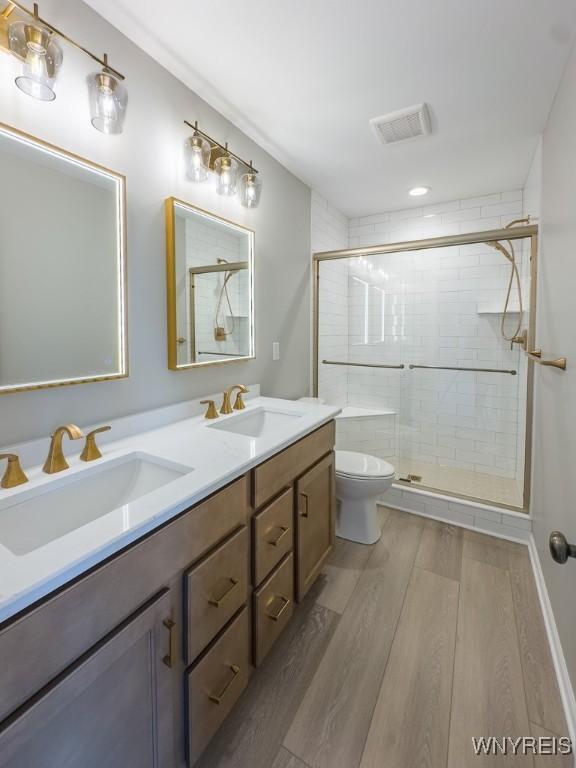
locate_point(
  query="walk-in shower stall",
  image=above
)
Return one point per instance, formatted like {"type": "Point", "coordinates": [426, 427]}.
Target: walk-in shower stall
{"type": "Point", "coordinates": [424, 345]}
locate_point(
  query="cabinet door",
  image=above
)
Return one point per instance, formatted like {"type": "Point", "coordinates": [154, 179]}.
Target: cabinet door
{"type": "Point", "coordinates": [111, 709]}
{"type": "Point", "coordinates": [315, 521]}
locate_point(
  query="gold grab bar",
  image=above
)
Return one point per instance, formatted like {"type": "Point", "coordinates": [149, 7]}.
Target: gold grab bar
{"type": "Point", "coordinates": [454, 368]}
{"type": "Point", "coordinates": [362, 365]}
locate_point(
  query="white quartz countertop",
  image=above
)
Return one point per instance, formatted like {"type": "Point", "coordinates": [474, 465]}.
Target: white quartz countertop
{"type": "Point", "coordinates": [209, 458]}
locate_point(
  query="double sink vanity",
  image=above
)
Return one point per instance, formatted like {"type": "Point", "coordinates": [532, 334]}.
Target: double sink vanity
{"type": "Point", "coordinates": [140, 590]}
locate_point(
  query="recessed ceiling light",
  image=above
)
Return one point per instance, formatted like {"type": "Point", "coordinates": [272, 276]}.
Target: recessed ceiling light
{"type": "Point", "coordinates": [418, 191]}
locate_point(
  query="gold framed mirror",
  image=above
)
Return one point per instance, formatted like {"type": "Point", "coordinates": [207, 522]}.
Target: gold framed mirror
{"type": "Point", "coordinates": [62, 267]}
{"type": "Point", "coordinates": [210, 288]}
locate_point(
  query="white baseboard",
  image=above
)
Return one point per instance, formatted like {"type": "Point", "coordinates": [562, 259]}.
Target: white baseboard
{"type": "Point", "coordinates": [560, 667]}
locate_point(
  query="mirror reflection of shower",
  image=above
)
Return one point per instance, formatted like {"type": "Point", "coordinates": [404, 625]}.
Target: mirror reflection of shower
{"type": "Point", "coordinates": [221, 330]}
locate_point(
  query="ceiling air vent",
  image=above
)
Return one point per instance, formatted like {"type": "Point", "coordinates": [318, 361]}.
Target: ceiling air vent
{"type": "Point", "coordinates": [402, 125]}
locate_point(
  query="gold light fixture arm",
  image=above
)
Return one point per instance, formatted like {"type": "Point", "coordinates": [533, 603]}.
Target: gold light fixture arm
{"type": "Point", "coordinates": [35, 15]}
{"type": "Point", "coordinates": [222, 147]}
{"type": "Point", "coordinates": [14, 475]}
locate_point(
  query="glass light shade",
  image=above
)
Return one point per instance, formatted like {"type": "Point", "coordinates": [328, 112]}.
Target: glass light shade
{"type": "Point", "coordinates": [226, 173]}
{"type": "Point", "coordinates": [42, 58]}
{"type": "Point", "coordinates": [249, 190]}
{"type": "Point", "coordinates": [108, 100]}
{"type": "Point", "coordinates": [198, 152]}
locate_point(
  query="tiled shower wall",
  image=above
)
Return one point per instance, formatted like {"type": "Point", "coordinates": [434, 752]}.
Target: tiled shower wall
{"type": "Point", "coordinates": [329, 232]}
{"type": "Point", "coordinates": [430, 316]}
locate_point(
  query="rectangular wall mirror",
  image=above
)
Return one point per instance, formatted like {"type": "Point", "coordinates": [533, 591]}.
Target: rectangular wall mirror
{"type": "Point", "coordinates": [62, 267]}
{"type": "Point", "coordinates": [210, 288]}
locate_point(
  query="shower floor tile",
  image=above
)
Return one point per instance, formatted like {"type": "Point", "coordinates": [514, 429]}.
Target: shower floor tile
{"type": "Point", "coordinates": [465, 482]}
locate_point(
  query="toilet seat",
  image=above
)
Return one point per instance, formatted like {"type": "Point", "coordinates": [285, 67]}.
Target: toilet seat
{"type": "Point", "coordinates": [362, 466]}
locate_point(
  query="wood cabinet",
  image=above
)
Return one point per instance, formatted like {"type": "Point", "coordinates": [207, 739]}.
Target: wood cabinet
{"type": "Point", "coordinates": [138, 661]}
{"type": "Point", "coordinates": [315, 494]}
{"type": "Point", "coordinates": [113, 707]}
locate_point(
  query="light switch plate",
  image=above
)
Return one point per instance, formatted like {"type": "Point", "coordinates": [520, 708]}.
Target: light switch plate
{"type": "Point", "coordinates": [275, 350]}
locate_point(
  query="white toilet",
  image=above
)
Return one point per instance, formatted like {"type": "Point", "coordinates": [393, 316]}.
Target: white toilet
{"type": "Point", "coordinates": [360, 479]}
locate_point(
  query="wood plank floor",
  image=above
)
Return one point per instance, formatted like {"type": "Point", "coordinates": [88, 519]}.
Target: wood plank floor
{"type": "Point", "coordinates": [402, 652]}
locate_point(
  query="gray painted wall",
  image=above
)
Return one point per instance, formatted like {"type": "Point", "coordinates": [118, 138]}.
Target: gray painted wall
{"type": "Point", "coordinates": [554, 462]}
{"type": "Point", "coordinates": [150, 154]}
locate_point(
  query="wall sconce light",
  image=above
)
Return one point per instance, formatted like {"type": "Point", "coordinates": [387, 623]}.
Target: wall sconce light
{"type": "Point", "coordinates": [249, 190]}
{"type": "Point", "coordinates": [198, 152]}
{"type": "Point", "coordinates": [226, 172]}
{"type": "Point", "coordinates": [108, 100]}
{"type": "Point", "coordinates": [32, 40]}
{"type": "Point", "coordinates": [41, 58]}
{"type": "Point", "coordinates": [232, 174]}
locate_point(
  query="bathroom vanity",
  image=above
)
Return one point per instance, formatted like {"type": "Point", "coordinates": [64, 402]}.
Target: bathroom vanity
{"type": "Point", "coordinates": [145, 652]}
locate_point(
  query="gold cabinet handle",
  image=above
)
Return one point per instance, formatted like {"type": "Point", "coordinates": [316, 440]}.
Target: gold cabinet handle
{"type": "Point", "coordinates": [170, 658]}
{"type": "Point", "coordinates": [91, 450]}
{"type": "Point", "coordinates": [285, 603]}
{"type": "Point", "coordinates": [304, 507]}
{"type": "Point", "coordinates": [217, 601]}
{"type": "Point", "coordinates": [217, 698]}
{"type": "Point", "coordinates": [283, 532]}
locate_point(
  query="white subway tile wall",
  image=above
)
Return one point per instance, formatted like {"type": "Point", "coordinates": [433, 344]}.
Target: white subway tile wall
{"type": "Point", "coordinates": [329, 232]}
{"type": "Point", "coordinates": [432, 307]}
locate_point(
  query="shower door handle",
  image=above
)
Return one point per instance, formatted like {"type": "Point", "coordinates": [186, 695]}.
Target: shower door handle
{"type": "Point", "coordinates": [560, 549]}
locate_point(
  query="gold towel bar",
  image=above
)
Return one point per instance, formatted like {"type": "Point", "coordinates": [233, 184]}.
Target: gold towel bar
{"type": "Point", "coordinates": [536, 354]}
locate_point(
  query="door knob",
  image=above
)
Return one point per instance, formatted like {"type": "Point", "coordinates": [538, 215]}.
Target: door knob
{"type": "Point", "coordinates": [559, 547]}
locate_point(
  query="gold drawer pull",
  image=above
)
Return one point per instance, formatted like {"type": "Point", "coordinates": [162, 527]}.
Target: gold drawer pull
{"type": "Point", "coordinates": [171, 657]}
{"type": "Point", "coordinates": [218, 698]}
{"type": "Point", "coordinates": [285, 604]}
{"type": "Point", "coordinates": [283, 532]}
{"type": "Point", "coordinates": [217, 601]}
{"type": "Point", "coordinates": [304, 507]}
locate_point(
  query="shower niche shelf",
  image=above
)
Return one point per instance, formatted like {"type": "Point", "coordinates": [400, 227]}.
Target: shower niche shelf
{"type": "Point", "coordinates": [493, 309]}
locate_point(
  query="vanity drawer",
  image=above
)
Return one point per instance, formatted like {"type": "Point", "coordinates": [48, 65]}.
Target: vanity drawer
{"type": "Point", "coordinates": [279, 471]}
{"type": "Point", "coordinates": [215, 683]}
{"type": "Point", "coordinates": [273, 608]}
{"type": "Point", "coordinates": [273, 529]}
{"type": "Point", "coordinates": [215, 589]}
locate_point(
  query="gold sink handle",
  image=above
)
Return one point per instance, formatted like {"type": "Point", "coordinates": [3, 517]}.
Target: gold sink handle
{"type": "Point", "coordinates": [91, 450]}
{"type": "Point", "coordinates": [211, 412]}
{"type": "Point", "coordinates": [14, 474]}
{"type": "Point", "coordinates": [55, 461]}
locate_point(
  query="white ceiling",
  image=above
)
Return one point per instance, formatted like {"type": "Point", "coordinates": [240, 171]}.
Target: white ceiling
{"type": "Point", "coordinates": [303, 77]}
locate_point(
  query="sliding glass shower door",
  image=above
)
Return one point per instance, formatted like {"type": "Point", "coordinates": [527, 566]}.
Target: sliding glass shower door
{"type": "Point", "coordinates": [416, 348]}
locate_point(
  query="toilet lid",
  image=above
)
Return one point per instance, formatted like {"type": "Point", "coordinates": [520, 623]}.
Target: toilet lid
{"type": "Point", "coordinates": [355, 464]}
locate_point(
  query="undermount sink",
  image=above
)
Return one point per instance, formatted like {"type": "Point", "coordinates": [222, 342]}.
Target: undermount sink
{"type": "Point", "coordinates": [52, 510]}
{"type": "Point", "coordinates": [258, 422]}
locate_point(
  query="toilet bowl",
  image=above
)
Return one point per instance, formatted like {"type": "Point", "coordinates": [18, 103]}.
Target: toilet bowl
{"type": "Point", "coordinates": [360, 479]}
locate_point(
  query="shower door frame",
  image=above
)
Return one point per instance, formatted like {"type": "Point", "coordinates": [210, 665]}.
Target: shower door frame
{"type": "Point", "coordinates": [521, 232]}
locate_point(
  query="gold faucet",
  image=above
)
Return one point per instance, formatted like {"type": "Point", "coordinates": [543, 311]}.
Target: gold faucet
{"type": "Point", "coordinates": [14, 475]}
{"type": "Point", "coordinates": [91, 450]}
{"type": "Point", "coordinates": [56, 461]}
{"type": "Point", "coordinates": [211, 412]}
{"type": "Point", "coordinates": [239, 403]}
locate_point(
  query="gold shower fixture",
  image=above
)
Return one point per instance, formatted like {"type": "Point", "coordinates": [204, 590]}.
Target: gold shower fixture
{"type": "Point", "coordinates": [35, 42]}
{"type": "Point", "coordinates": [232, 174]}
